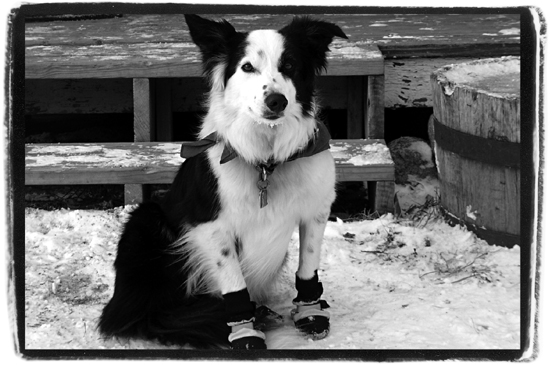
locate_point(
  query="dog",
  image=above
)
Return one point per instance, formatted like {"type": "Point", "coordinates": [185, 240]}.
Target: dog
{"type": "Point", "coordinates": [191, 266]}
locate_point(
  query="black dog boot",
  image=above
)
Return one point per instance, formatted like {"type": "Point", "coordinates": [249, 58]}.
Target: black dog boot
{"type": "Point", "coordinates": [312, 320]}
{"type": "Point", "coordinates": [240, 314]}
{"type": "Point", "coordinates": [244, 337]}
{"type": "Point", "coordinates": [309, 316]}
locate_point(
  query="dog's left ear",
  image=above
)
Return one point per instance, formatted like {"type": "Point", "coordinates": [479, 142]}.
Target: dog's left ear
{"type": "Point", "coordinates": [314, 35]}
{"type": "Point", "coordinates": [210, 36]}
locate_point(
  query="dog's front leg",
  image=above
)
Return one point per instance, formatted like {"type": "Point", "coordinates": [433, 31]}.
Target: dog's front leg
{"type": "Point", "coordinates": [238, 307]}
{"type": "Point", "coordinates": [308, 315]}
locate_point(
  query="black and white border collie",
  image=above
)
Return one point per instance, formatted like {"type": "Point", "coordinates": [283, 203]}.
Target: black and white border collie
{"type": "Point", "coordinates": [191, 267]}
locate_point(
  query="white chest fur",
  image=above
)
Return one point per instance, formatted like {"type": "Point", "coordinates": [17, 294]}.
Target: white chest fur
{"type": "Point", "coordinates": [298, 191]}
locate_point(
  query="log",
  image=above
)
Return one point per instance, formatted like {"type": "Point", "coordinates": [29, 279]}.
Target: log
{"type": "Point", "coordinates": [476, 129]}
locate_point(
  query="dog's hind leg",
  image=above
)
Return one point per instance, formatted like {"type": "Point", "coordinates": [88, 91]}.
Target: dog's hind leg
{"type": "Point", "coordinates": [308, 315]}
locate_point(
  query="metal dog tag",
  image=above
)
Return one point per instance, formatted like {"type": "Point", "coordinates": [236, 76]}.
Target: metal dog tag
{"type": "Point", "coordinates": [262, 186]}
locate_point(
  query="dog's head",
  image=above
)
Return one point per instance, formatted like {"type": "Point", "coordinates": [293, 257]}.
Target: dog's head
{"type": "Point", "coordinates": [264, 76]}
{"type": "Point", "coordinates": [267, 73]}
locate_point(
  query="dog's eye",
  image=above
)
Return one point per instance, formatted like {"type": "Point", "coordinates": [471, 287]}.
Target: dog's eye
{"type": "Point", "coordinates": [288, 66]}
{"type": "Point", "coordinates": [247, 67]}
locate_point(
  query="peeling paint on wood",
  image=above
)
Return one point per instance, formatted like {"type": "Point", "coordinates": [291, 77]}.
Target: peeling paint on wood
{"type": "Point", "coordinates": [408, 81]}
{"type": "Point", "coordinates": [158, 162]}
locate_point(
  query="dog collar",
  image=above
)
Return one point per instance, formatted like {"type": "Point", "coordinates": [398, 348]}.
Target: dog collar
{"type": "Point", "coordinates": [318, 143]}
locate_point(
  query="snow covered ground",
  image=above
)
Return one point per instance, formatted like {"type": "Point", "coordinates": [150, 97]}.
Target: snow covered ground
{"type": "Point", "coordinates": [392, 283]}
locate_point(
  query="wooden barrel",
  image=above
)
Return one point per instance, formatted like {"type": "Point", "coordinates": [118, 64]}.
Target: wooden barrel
{"type": "Point", "coordinates": [476, 130]}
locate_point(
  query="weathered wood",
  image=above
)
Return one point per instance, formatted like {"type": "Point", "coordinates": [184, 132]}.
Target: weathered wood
{"type": "Point", "coordinates": [144, 126]}
{"type": "Point", "coordinates": [480, 99]}
{"type": "Point", "coordinates": [134, 193]}
{"type": "Point", "coordinates": [166, 60]}
{"type": "Point", "coordinates": [384, 196]}
{"type": "Point", "coordinates": [144, 112]}
{"type": "Point", "coordinates": [407, 81]}
{"type": "Point", "coordinates": [399, 35]}
{"type": "Point", "coordinates": [150, 46]}
{"type": "Point", "coordinates": [157, 163]}
{"type": "Point", "coordinates": [158, 45]}
{"type": "Point", "coordinates": [374, 123]}
{"type": "Point", "coordinates": [486, 101]}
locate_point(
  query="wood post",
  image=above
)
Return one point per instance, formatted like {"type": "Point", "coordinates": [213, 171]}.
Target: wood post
{"type": "Point", "coordinates": [382, 192]}
{"type": "Point", "coordinates": [144, 110]}
{"type": "Point", "coordinates": [374, 123]}
{"type": "Point", "coordinates": [144, 114]}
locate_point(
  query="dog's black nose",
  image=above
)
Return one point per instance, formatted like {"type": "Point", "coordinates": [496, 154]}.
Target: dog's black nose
{"type": "Point", "coordinates": [276, 102]}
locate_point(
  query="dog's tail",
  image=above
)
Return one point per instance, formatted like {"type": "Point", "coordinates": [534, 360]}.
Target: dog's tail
{"type": "Point", "coordinates": [149, 299]}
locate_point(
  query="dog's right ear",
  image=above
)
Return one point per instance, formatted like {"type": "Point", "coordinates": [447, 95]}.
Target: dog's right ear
{"type": "Point", "coordinates": [210, 36]}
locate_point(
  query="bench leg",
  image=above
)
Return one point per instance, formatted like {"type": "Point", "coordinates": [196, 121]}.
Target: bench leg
{"type": "Point", "coordinates": [374, 109]}
{"type": "Point", "coordinates": [144, 110]}
{"type": "Point", "coordinates": [152, 102]}
{"type": "Point", "coordinates": [134, 193]}
{"type": "Point", "coordinates": [381, 196]}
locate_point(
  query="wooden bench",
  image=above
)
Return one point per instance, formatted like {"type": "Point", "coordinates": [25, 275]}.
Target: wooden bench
{"type": "Point", "coordinates": [158, 162]}
{"type": "Point", "coordinates": [134, 63]}
{"type": "Point", "coordinates": [156, 53]}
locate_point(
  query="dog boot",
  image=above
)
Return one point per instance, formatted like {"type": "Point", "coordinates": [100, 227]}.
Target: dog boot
{"type": "Point", "coordinates": [311, 320]}
{"type": "Point", "coordinates": [309, 316]}
{"type": "Point", "coordinates": [244, 337]}
{"type": "Point", "coordinates": [240, 311]}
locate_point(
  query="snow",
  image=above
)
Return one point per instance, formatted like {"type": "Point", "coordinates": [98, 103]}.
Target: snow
{"type": "Point", "coordinates": [66, 156]}
{"type": "Point", "coordinates": [392, 283]}
{"type": "Point", "coordinates": [371, 154]}
{"type": "Point", "coordinates": [494, 76]}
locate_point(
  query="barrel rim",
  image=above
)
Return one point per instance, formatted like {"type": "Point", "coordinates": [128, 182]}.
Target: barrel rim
{"type": "Point", "coordinates": [438, 76]}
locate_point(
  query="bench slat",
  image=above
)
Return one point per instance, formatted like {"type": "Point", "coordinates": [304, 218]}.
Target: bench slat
{"type": "Point", "coordinates": [158, 162]}
{"type": "Point", "coordinates": [152, 46]}
{"type": "Point", "coordinates": [167, 60]}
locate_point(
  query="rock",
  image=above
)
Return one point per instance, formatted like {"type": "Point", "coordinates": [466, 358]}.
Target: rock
{"type": "Point", "coordinates": [415, 172]}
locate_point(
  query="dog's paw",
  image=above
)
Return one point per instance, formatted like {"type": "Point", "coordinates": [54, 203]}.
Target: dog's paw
{"type": "Point", "coordinates": [247, 339]}
{"type": "Point", "coordinates": [312, 321]}
{"type": "Point", "coordinates": [314, 327]}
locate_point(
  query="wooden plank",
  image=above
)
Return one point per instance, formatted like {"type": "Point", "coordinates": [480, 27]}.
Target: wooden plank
{"type": "Point", "coordinates": [395, 31]}
{"type": "Point", "coordinates": [374, 123]}
{"type": "Point", "coordinates": [134, 193]}
{"type": "Point", "coordinates": [163, 110]}
{"type": "Point", "coordinates": [144, 110]}
{"type": "Point", "coordinates": [481, 98]}
{"type": "Point", "coordinates": [407, 82]}
{"type": "Point", "coordinates": [384, 193]}
{"type": "Point", "coordinates": [158, 45]}
{"type": "Point", "coordinates": [144, 127]}
{"type": "Point", "coordinates": [355, 92]}
{"type": "Point", "coordinates": [157, 163]}
{"type": "Point", "coordinates": [166, 60]}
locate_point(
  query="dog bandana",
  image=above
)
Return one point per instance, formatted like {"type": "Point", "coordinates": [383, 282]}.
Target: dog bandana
{"type": "Point", "coordinates": [319, 143]}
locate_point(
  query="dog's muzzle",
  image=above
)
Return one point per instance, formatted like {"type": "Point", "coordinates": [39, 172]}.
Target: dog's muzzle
{"type": "Point", "coordinates": [276, 103]}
